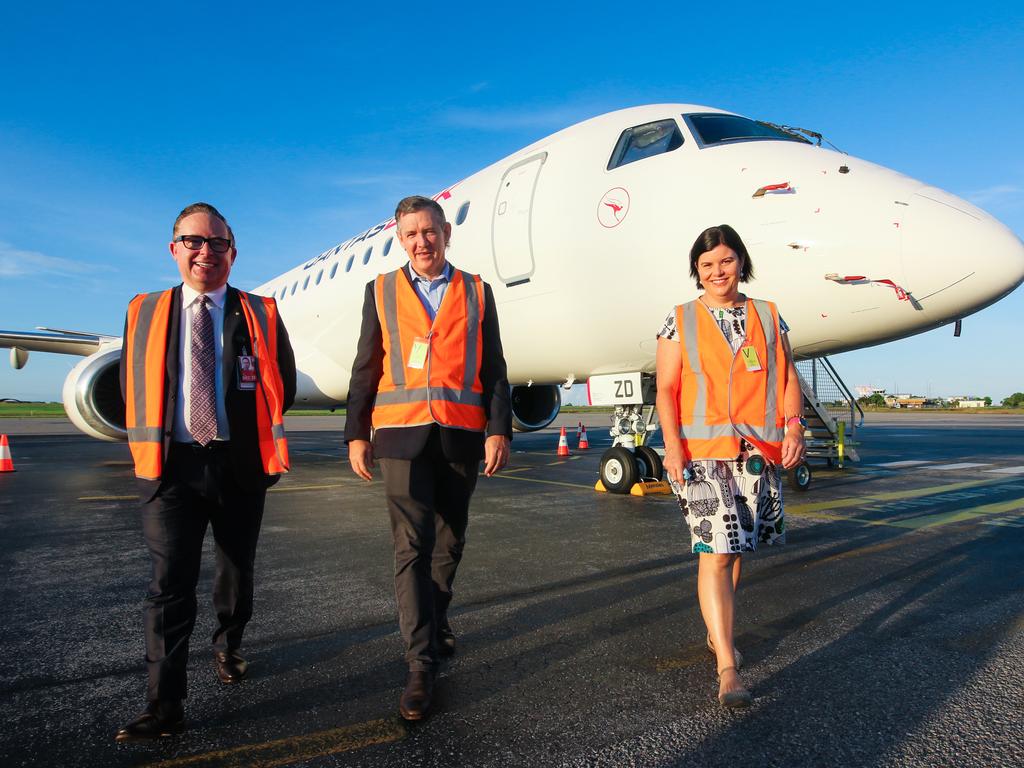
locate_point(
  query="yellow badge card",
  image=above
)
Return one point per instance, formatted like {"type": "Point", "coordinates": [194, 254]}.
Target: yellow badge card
{"type": "Point", "coordinates": [418, 353]}
{"type": "Point", "coordinates": [750, 359]}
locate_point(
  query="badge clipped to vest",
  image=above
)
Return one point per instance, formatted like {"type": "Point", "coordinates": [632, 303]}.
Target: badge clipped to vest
{"type": "Point", "coordinates": [418, 353]}
{"type": "Point", "coordinates": [246, 370]}
{"type": "Point", "coordinates": [750, 359]}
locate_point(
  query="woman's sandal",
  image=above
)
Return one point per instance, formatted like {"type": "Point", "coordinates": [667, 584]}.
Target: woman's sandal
{"type": "Point", "coordinates": [734, 699]}
{"type": "Point", "coordinates": [735, 652]}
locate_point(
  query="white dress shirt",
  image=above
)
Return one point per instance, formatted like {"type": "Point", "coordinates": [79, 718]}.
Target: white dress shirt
{"type": "Point", "coordinates": [182, 407]}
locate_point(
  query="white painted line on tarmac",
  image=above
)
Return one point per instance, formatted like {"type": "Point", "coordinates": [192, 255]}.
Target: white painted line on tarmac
{"type": "Point", "coordinates": [1007, 471]}
{"type": "Point", "coordinates": [902, 463]}
{"type": "Point", "coordinates": [961, 465]}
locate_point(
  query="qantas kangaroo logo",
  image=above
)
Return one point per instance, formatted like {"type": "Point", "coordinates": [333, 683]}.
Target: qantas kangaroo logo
{"type": "Point", "coordinates": [613, 207]}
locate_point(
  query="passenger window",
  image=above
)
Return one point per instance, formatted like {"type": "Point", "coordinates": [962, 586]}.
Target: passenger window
{"type": "Point", "coordinates": [463, 212]}
{"type": "Point", "coordinates": [387, 247]}
{"type": "Point", "coordinates": [305, 283]}
{"type": "Point", "coordinates": [319, 275]}
{"type": "Point", "coordinates": [348, 264]}
{"type": "Point", "coordinates": [366, 256]}
{"type": "Point", "coordinates": [647, 140]}
{"type": "Point", "coordinates": [294, 286]}
{"type": "Point", "coordinates": [334, 270]}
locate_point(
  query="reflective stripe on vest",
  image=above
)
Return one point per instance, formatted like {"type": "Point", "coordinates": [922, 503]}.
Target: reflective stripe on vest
{"type": "Point", "coordinates": [146, 359]}
{"type": "Point", "coordinates": [261, 318]}
{"type": "Point", "coordinates": [146, 380]}
{"type": "Point", "coordinates": [446, 390]}
{"type": "Point", "coordinates": [721, 402]}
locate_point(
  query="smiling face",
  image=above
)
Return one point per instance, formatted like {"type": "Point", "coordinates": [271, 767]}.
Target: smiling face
{"type": "Point", "coordinates": [719, 273]}
{"type": "Point", "coordinates": [425, 239]}
{"type": "Point", "coordinates": [203, 270]}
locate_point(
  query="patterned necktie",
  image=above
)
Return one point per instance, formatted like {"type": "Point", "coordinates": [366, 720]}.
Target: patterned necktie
{"type": "Point", "coordinates": [202, 421]}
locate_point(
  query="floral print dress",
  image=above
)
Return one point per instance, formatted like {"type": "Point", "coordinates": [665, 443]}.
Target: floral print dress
{"type": "Point", "coordinates": [727, 507]}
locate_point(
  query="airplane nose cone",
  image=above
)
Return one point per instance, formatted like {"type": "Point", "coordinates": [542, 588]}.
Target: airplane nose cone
{"type": "Point", "coordinates": [957, 259]}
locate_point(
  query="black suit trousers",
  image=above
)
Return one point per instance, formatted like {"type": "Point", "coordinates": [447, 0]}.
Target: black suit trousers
{"type": "Point", "coordinates": [428, 503]}
{"type": "Point", "coordinates": [198, 489]}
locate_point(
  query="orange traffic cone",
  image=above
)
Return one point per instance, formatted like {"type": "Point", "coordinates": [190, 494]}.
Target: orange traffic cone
{"type": "Point", "coordinates": [563, 444]}
{"type": "Point", "coordinates": [584, 443]}
{"type": "Point", "coordinates": [579, 429]}
{"type": "Point", "coordinates": [6, 463]}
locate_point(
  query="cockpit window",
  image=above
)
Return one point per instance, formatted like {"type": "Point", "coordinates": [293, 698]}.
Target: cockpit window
{"type": "Point", "coordinates": [644, 141]}
{"type": "Point", "coordinates": [714, 128]}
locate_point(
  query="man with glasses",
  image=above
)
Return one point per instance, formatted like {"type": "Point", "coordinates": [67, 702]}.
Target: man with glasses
{"type": "Point", "coordinates": [429, 379]}
{"type": "Point", "coordinates": [206, 372]}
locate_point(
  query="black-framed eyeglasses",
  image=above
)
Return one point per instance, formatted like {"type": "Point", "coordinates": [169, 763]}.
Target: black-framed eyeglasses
{"type": "Point", "coordinates": [195, 242]}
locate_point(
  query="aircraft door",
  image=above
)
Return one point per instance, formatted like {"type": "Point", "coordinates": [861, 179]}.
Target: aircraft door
{"type": "Point", "coordinates": [511, 235]}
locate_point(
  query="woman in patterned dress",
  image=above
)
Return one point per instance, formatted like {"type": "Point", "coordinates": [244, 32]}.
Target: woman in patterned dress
{"type": "Point", "coordinates": [730, 503]}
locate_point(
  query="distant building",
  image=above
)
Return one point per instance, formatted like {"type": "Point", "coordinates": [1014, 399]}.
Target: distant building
{"type": "Point", "coordinates": [867, 390]}
{"type": "Point", "coordinates": [970, 403]}
{"type": "Point", "coordinates": [909, 401]}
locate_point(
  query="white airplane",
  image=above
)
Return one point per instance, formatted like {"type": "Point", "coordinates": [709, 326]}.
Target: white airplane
{"type": "Point", "coordinates": [584, 236]}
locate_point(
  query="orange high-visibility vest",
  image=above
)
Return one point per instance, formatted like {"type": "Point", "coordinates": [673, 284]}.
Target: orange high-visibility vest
{"type": "Point", "coordinates": [446, 388]}
{"type": "Point", "coordinates": [145, 346]}
{"type": "Point", "coordinates": [720, 400]}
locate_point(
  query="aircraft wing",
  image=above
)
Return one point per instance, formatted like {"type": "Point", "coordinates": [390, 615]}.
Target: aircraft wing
{"type": "Point", "coordinates": [53, 340]}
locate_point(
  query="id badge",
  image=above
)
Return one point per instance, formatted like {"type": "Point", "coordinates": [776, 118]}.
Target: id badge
{"type": "Point", "coordinates": [418, 353]}
{"type": "Point", "coordinates": [750, 359]}
{"type": "Point", "coordinates": [247, 376]}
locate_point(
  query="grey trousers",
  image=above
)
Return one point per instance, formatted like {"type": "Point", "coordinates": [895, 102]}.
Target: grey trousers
{"type": "Point", "coordinates": [428, 502]}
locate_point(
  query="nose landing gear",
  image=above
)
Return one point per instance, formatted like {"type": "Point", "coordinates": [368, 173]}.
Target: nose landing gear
{"type": "Point", "coordinates": [629, 461]}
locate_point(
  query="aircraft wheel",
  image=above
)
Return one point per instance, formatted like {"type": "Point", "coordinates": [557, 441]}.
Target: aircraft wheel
{"type": "Point", "coordinates": [649, 463]}
{"type": "Point", "coordinates": [800, 477]}
{"type": "Point", "coordinates": [618, 469]}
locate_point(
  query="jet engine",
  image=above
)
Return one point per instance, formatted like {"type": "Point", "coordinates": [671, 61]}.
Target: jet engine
{"type": "Point", "coordinates": [535, 406]}
{"type": "Point", "coordinates": [92, 396]}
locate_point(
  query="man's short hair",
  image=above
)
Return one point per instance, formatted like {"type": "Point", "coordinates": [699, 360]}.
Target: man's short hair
{"type": "Point", "coordinates": [415, 203]}
{"type": "Point", "coordinates": [206, 208]}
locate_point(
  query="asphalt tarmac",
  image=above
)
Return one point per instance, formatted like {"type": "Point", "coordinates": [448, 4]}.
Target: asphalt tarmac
{"type": "Point", "coordinates": [889, 631]}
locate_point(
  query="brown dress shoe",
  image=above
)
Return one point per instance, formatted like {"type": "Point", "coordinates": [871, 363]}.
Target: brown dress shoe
{"type": "Point", "coordinates": [417, 696]}
{"type": "Point", "coordinates": [231, 667]}
{"type": "Point", "coordinates": [445, 640]}
{"type": "Point", "coordinates": [158, 719]}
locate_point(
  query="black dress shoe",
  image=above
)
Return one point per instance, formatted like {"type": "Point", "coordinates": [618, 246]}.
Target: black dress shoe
{"type": "Point", "coordinates": [231, 667]}
{"type": "Point", "coordinates": [158, 719]}
{"type": "Point", "coordinates": [417, 696]}
{"type": "Point", "coordinates": [445, 640]}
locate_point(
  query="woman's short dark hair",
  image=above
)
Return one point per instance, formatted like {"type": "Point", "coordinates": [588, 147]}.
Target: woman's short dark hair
{"type": "Point", "coordinates": [711, 238]}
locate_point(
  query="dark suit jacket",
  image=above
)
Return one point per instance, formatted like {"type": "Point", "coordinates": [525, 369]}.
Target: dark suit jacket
{"type": "Point", "coordinates": [407, 442]}
{"type": "Point", "coordinates": [240, 405]}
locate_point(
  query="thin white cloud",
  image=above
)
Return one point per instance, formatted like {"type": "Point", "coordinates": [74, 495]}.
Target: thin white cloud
{"type": "Point", "coordinates": [382, 180]}
{"type": "Point", "coordinates": [503, 120]}
{"type": "Point", "coordinates": [997, 194]}
{"type": "Point", "coordinates": [15, 262]}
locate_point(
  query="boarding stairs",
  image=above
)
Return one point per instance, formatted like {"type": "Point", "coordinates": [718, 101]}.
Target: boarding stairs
{"type": "Point", "coordinates": [832, 413]}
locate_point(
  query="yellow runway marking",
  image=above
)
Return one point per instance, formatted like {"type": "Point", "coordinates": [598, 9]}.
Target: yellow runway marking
{"type": "Point", "coordinates": [834, 518]}
{"type": "Point", "coordinates": [546, 482]}
{"type": "Point", "coordinates": [308, 487]}
{"type": "Point", "coordinates": [295, 749]}
{"type": "Point", "coordinates": [514, 469]}
{"type": "Point", "coordinates": [959, 515]}
{"type": "Point", "coordinates": [134, 497]}
{"type": "Point", "coordinates": [889, 496]}
{"type": "Point", "coordinates": [929, 520]}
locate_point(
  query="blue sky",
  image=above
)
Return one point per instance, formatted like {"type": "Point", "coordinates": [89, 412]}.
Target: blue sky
{"type": "Point", "coordinates": [304, 123]}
